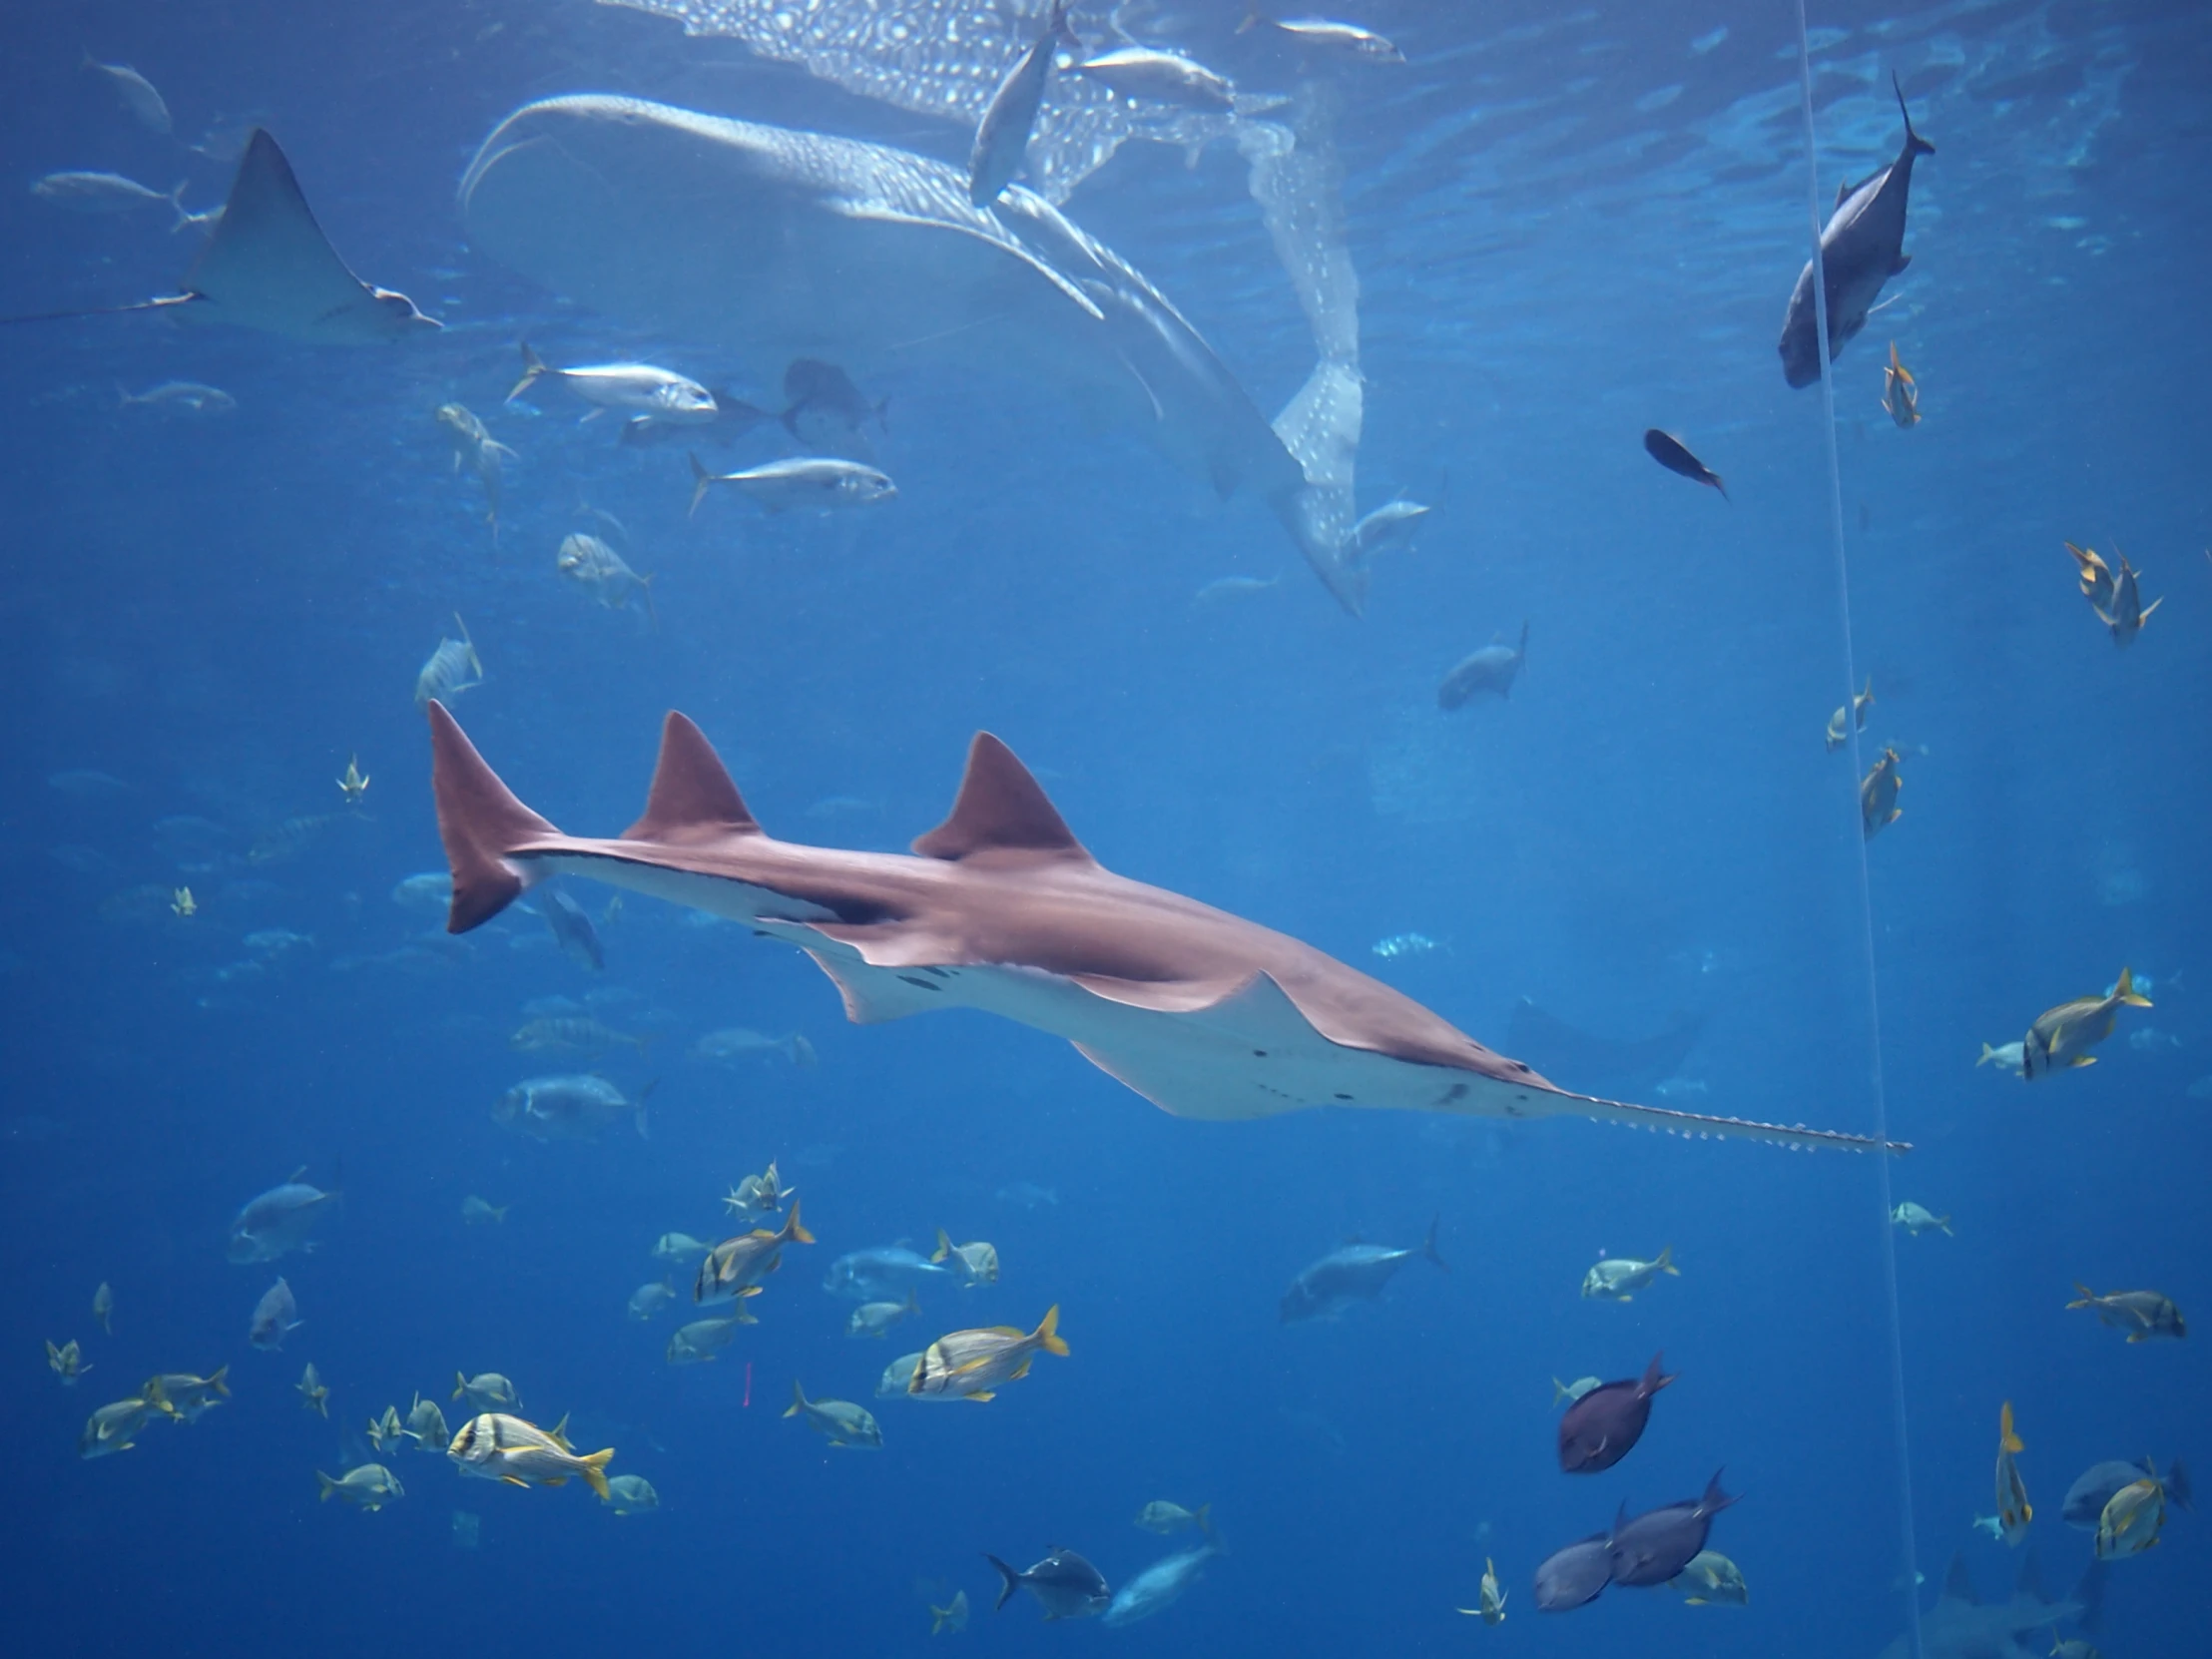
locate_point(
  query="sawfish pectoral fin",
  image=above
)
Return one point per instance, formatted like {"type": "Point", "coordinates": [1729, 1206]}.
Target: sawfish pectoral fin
{"type": "Point", "coordinates": [873, 995]}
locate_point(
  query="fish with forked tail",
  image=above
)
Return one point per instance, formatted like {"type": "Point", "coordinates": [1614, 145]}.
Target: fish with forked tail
{"type": "Point", "coordinates": [1862, 248]}
{"type": "Point", "coordinates": [1673, 455]}
{"type": "Point", "coordinates": [1356, 1273]}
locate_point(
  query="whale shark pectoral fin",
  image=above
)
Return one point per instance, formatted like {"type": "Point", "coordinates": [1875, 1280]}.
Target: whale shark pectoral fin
{"type": "Point", "coordinates": [879, 214]}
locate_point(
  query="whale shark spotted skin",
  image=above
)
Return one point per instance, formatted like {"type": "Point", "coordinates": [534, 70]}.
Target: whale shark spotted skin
{"type": "Point", "coordinates": [779, 243]}
{"type": "Point", "coordinates": [1000, 909]}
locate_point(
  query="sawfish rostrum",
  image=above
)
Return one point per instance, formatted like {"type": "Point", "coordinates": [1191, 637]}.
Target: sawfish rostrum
{"type": "Point", "coordinates": [1001, 908]}
{"type": "Point", "coordinates": [1862, 248]}
{"type": "Point", "coordinates": [778, 244]}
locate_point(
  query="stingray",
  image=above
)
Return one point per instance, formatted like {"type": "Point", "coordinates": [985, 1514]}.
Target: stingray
{"type": "Point", "coordinates": [267, 265]}
{"type": "Point", "coordinates": [778, 244]}
{"type": "Point", "coordinates": [1001, 908]}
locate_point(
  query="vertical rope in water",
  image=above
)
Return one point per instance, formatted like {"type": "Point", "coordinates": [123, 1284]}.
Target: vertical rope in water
{"type": "Point", "coordinates": [1865, 900]}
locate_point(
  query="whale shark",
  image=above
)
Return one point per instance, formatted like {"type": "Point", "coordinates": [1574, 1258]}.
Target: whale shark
{"type": "Point", "coordinates": [779, 243]}
{"type": "Point", "coordinates": [1001, 908]}
{"type": "Point", "coordinates": [267, 265]}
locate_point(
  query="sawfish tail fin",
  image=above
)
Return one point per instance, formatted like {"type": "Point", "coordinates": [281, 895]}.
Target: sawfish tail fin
{"type": "Point", "coordinates": [480, 820]}
{"type": "Point", "coordinates": [1915, 144]}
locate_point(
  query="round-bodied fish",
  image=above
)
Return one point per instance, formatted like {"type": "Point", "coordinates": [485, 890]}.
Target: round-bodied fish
{"type": "Point", "coordinates": [1356, 1273]}
{"type": "Point", "coordinates": [279, 1222]}
{"type": "Point", "coordinates": [1604, 1425]}
{"type": "Point", "coordinates": [568, 1108]}
{"type": "Point", "coordinates": [498, 1446]}
{"type": "Point", "coordinates": [1656, 1545]}
{"type": "Point", "coordinates": [1569, 1577]}
{"type": "Point", "coordinates": [840, 1420]}
{"type": "Point", "coordinates": [972, 1364]}
{"type": "Point", "coordinates": [1157, 1586]}
{"type": "Point", "coordinates": [884, 1274]}
{"type": "Point", "coordinates": [1066, 1586]}
{"type": "Point", "coordinates": [2088, 1496]}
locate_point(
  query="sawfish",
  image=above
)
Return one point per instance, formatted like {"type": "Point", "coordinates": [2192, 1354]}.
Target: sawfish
{"type": "Point", "coordinates": [267, 265]}
{"type": "Point", "coordinates": [1001, 908]}
{"type": "Point", "coordinates": [779, 243]}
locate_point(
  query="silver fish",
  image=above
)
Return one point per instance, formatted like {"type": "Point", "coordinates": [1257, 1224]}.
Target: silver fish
{"type": "Point", "coordinates": [1002, 136]}
{"type": "Point", "coordinates": [452, 668]}
{"type": "Point", "coordinates": [272, 1318]}
{"type": "Point", "coordinates": [101, 192]}
{"type": "Point", "coordinates": [602, 572]}
{"type": "Point", "coordinates": [659, 392]}
{"type": "Point", "coordinates": [806, 481]}
{"type": "Point", "coordinates": [134, 91]}
{"type": "Point", "coordinates": [1163, 77]}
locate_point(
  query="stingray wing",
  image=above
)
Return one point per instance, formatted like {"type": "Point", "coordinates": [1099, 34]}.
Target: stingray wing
{"type": "Point", "coordinates": [268, 264]}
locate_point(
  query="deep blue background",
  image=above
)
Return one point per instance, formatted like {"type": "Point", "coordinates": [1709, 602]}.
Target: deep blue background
{"type": "Point", "coordinates": [1556, 250]}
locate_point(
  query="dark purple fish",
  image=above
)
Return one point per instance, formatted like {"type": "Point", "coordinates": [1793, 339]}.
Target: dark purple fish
{"type": "Point", "coordinates": [1574, 1576]}
{"type": "Point", "coordinates": [1605, 1425]}
{"type": "Point", "coordinates": [1656, 1545]}
{"type": "Point", "coordinates": [1673, 455]}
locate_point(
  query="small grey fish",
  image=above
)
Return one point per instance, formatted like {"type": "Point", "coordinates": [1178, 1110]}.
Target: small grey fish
{"type": "Point", "coordinates": [1491, 668]}
{"type": "Point", "coordinates": [101, 192]}
{"type": "Point", "coordinates": [1569, 1577]}
{"type": "Point", "coordinates": [1390, 526]}
{"type": "Point", "coordinates": [475, 447]}
{"type": "Point", "coordinates": [571, 927]}
{"type": "Point", "coordinates": [1233, 587]}
{"type": "Point", "coordinates": [1163, 77]}
{"type": "Point", "coordinates": [886, 1273]}
{"type": "Point", "coordinates": [1065, 1586]}
{"type": "Point", "coordinates": [1003, 136]}
{"type": "Point", "coordinates": [602, 572]}
{"type": "Point", "coordinates": [898, 1377]}
{"type": "Point", "coordinates": [568, 1108]}
{"type": "Point", "coordinates": [272, 1318]}
{"type": "Point", "coordinates": [574, 1033]}
{"type": "Point", "coordinates": [1356, 1273]}
{"type": "Point", "coordinates": [1673, 455]}
{"type": "Point", "coordinates": [134, 91]}
{"type": "Point", "coordinates": [1862, 248]}
{"type": "Point", "coordinates": [452, 668]}
{"type": "Point", "coordinates": [277, 1222]}
{"type": "Point", "coordinates": [845, 1424]}
{"type": "Point", "coordinates": [189, 395]}
{"type": "Point", "coordinates": [806, 481]}
{"type": "Point", "coordinates": [1324, 34]}
{"type": "Point", "coordinates": [1654, 1546]}
{"type": "Point", "coordinates": [1158, 1585]}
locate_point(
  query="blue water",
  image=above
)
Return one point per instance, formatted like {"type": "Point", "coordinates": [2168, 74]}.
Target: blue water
{"type": "Point", "coordinates": [1568, 229]}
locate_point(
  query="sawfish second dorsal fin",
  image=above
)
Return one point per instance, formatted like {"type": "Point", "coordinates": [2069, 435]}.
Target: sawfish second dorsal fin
{"type": "Point", "coordinates": [1000, 808]}
{"type": "Point", "coordinates": [692, 799]}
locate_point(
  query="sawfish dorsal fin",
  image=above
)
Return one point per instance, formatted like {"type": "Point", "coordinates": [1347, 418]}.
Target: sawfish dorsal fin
{"type": "Point", "coordinates": [1000, 808]}
{"type": "Point", "coordinates": [692, 799]}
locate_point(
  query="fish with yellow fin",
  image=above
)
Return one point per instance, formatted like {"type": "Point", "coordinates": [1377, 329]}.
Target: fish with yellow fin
{"type": "Point", "coordinates": [1878, 795]}
{"type": "Point", "coordinates": [2132, 1518]}
{"type": "Point", "coordinates": [498, 1446]}
{"type": "Point", "coordinates": [971, 1365]}
{"type": "Point", "coordinates": [1849, 719]}
{"type": "Point", "coordinates": [2097, 576]}
{"type": "Point", "coordinates": [354, 783]}
{"type": "Point", "coordinates": [183, 904]}
{"type": "Point", "coordinates": [1491, 1608]}
{"type": "Point", "coordinates": [68, 1361]}
{"type": "Point", "coordinates": [1901, 393]}
{"type": "Point", "coordinates": [2060, 1036]}
{"type": "Point", "coordinates": [2145, 1316]}
{"type": "Point", "coordinates": [2125, 612]}
{"type": "Point", "coordinates": [2013, 1509]}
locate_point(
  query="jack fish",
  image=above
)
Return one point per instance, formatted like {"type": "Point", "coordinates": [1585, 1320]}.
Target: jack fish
{"type": "Point", "coordinates": [1862, 248]}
